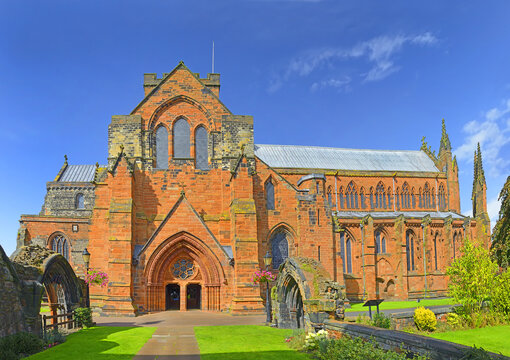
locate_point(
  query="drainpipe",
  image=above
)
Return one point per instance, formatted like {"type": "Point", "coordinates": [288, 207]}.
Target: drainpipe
{"type": "Point", "coordinates": [424, 259]}
{"type": "Point", "coordinates": [363, 256]}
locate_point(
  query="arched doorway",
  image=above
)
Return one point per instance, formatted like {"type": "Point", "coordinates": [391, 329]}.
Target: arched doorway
{"type": "Point", "coordinates": [183, 264]}
{"type": "Point", "coordinates": [173, 297]}
{"type": "Point", "coordinates": [193, 296]}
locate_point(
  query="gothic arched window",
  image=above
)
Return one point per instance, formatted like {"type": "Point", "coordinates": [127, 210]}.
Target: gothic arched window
{"type": "Point", "coordinates": [346, 251]}
{"type": "Point", "coordinates": [380, 242]}
{"type": "Point", "coordinates": [426, 196]}
{"type": "Point", "coordinates": [182, 143]}
{"type": "Point", "coordinates": [330, 197]}
{"type": "Point", "coordinates": [388, 195]}
{"type": "Point", "coordinates": [351, 195]}
{"type": "Point", "coordinates": [161, 148]}
{"type": "Point", "coordinates": [269, 188]}
{"type": "Point", "coordinates": [59, 244]}
{"type": "Point", "coordinates": [362, 197]}
{"type": "Point", "coordinates": [201, 151]}
{"type": "Point", "coordinates": [435, 250]}
{"type": "Point", "coordinates": [341, 197]}
{"type": "Point", "coordinates": [79, 201]}
{"type": "Point", "coordinates": [410, 250]}
{"type": "Point", "coordinates": [442, 198]}
{"type": "Point", "coordinates": [397, 199]}
{"type": "Point", "coordinates": [405, 196]}
{"type": "Point", "coordinates": [413, 199]}
{"type": "Point", "coordinates": [380, 198]}
{"type": "Point", "coordinates": [279, 248]}
{"type": "Point", "coordinates": [372, 202]}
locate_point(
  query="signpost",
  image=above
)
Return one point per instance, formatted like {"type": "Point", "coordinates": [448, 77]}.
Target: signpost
{"type": "Point", "coordinates": [371, 303]}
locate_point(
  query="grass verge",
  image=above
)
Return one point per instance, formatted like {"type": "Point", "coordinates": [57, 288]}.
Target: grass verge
{"type": "Point", "coordinates": [392, 305]}
{"type": "Point", "coordinates": [493, 338]}
{"type": "Point", "coordinates": [99, 343]}
{"type": "Point", "coordinates": [245, 342]}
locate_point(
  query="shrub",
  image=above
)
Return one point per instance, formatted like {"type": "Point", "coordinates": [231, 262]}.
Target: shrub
{"type": "Point", "coordinates": [356, 349]}
{"type": "Point", "coordinates": [425, 319]}
{"type": "Point", "coordinates": [472, 276]}
{"type": "Point", "coordinates": [454, 320]}
{"type": "Point", "coordinates": [20, 344]}
{"type": "Point", "coordinates": [312, 339]}
{"type": "Point", "coordinates": [54, 336]}
{"type": "Point", "coordinates": [381, 320]}
{"type": "Point", "coordinates": [501, 294]}
{"type": "Point", "coordinates": [84, 317]}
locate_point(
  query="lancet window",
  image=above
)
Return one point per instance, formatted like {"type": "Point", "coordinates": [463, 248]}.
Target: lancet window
{"type": "Point", "coordinates": [346, 251]}
{"type": "Point", "coordinates": [161, 148]}
{"type": "Point", "coordinates": [201, 149]}
{"type": "Point", "coordinates": [351, 196]}
{"type": "Point", "coordinates": [182, 143]}
{"type": "Point", "coordinates": [59, 244]}
{"type": "Point", "coordinates": [269, 189]}
{"type": "Point", "coordinates": [410, 250]}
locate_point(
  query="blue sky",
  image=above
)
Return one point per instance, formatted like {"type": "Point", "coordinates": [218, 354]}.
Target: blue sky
{"type": "Point", "coordinates": [353, 74]}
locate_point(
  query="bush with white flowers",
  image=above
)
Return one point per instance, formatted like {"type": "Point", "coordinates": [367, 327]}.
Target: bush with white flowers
{"type": "Point", "coordinates": [312, 339]}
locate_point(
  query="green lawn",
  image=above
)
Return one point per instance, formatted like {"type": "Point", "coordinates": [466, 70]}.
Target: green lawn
{"type": "Point", "coordinates": [493, 339]}
{"type": "Point", "coordinates": [245, 342]}
{"type": "Point", "coordinates": [100, 343]}
{"type": "Point", "coordinates": [392, 305]}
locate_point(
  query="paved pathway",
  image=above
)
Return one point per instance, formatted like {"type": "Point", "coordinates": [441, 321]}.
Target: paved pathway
{"type": "Point", "coordinates": [174, 338]}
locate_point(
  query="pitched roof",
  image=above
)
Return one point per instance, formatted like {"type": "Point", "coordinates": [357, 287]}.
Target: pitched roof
{"type": "Point", "coordinates": [314, 157]}
{"type": "Point", "coordinates": [78, 173]}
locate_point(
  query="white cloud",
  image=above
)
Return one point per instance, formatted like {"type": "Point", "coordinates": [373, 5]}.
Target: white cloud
{"type": "Point", "coordinates": [332, 82]}
{"type": "Point", "coordinates": [378, 52]}
{"type": "Point", "coordinates": [493, 133]}
{"type": "Point", "coordinates": [493, 207]}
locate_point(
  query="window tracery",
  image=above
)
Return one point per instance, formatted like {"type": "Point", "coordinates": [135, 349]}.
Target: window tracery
{"type": "Point", "coordinates": [183, 269]}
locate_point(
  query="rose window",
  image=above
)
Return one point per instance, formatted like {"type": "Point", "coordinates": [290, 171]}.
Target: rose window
{"type": "Point", "coordinates": [183, 269]}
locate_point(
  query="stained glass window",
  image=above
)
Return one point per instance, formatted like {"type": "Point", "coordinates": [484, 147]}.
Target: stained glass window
{"type": "Point", "coordinates": [280, 248]}
{"type": "Point", "coordinates": [183, 269]}
{"type": "Point", "coordinates": [59, 244]}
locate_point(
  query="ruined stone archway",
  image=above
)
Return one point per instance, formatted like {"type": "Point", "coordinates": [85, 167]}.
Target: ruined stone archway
{"type": "Point", "coordinates": [304, 286]}
{"type": "Point", "coordinates": [40, 269]}
{"type": "Point", "coordinates": [208, 272]}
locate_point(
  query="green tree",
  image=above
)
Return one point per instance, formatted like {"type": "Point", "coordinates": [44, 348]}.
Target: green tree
{"type": "Point", "coordinates": [501, 235]}
{"type": "Point", "coordinates": [472, 276]}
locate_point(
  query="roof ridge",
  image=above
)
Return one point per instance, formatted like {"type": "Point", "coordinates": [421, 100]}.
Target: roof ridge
{"type": "Point", "coordinates": [337, 148]}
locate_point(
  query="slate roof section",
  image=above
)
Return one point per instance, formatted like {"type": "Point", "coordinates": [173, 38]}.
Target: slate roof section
{"type": "Point", "coordinates": [314, 157]}
{"type": "Point", "coordinates": [394, 214]}
{"type": "Point", "coordinates": [78, 173]}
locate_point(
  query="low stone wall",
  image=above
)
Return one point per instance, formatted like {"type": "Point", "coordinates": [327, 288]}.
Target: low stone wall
{"type": "Point", "coordinates": [404, 320]}
{"type": "Point", "coordinates": [393, 340]}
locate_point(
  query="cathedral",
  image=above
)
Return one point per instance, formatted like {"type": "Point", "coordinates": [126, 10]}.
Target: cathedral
{"type": "Point", "coordinates": [187, 206]}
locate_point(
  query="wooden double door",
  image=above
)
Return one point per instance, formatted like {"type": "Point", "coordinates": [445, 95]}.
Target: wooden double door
{"type": "Point", "coordinates": [183, 297]}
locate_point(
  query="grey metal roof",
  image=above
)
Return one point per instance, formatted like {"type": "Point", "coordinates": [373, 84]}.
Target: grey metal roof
{"type": "Point", "coordinates": [78, 173]}
{"type": "Point", "coordinates": [394, 214]}
{"type": "Point", "coordinates": [228, 250]}
{"type": "Point", "coordinates": [314, 157]}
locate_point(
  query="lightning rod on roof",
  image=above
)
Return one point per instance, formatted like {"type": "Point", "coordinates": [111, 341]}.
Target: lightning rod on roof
{"type": "Point", "coordinates": [212, 57]}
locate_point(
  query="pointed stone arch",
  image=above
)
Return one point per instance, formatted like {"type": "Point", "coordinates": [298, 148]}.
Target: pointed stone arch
{"type": "Point", "coordinates": [304, 286]}
{"type": "Point", "coordinates": [183, 244]}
